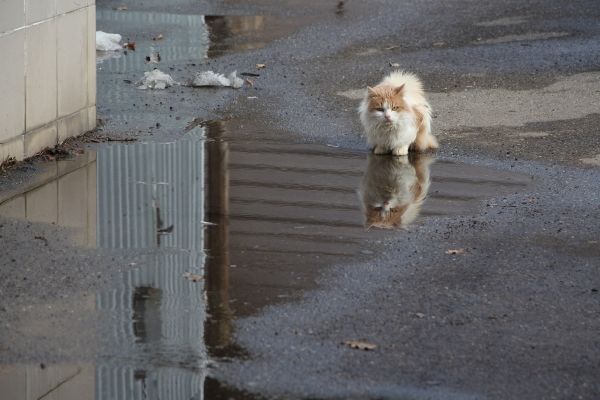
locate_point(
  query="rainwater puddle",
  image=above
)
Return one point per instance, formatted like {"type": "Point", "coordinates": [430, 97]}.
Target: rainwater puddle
{"type": "Point", "coordinates": [257, 220]}
{"type": "Point", "coordinates": [185, 37]}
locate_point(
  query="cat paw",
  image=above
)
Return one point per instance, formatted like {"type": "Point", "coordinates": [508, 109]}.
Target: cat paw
{"type": "Point", "coordinates": [380, 150]}
{"type": "Point", "coordinates": [400, 151]}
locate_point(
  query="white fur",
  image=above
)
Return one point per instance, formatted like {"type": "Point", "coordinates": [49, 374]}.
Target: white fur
{"type": "Point", "coordinates": [399, 130]}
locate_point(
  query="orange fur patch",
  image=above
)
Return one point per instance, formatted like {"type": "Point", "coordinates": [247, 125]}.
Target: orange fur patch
{"type": "Point", "coordinates": [381, 94]}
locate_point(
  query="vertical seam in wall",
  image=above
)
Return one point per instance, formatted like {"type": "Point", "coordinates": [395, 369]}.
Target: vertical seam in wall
{"type": "Point", "coordinates": [56, 22]}
{"type": "Point", "coordinates": [25, 60]}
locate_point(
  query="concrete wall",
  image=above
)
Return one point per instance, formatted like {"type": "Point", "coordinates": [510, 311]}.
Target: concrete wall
{"type": "Point", "coordinates": [47, 73]}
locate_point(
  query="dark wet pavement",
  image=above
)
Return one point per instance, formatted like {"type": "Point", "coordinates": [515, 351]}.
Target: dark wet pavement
{"type": "Point", "coordinates": [223, 254]}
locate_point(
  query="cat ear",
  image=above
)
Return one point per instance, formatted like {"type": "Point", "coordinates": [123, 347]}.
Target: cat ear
{"type": "Point", "coordinates": [371, 91]}
{"type": "Point", "coordinates": [399, 89]}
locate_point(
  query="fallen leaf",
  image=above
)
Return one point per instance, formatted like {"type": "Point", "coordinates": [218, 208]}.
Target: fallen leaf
{"type": "Point", "coordinates": [261, 66]}
{"type": "Point", "coordinates": [193, 277]}
{"type": "Point", "coordinates": [159, 37]}
{"type": "Point", "coordinates": [395, 65]}
{"type": "Point", "coordinates": [249, 82]}
{"type": "Point", "coordinates": [360, 345]}
{"type": "Point", "coordinates": [129, 45]}
{"type": "Point", "coordinates": [455, 251]}
{"type": "Point", "coordinates": [121, 8]}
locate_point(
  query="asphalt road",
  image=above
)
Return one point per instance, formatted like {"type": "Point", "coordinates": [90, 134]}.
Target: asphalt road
{"type": "Point", "coordinates": [514, 86]}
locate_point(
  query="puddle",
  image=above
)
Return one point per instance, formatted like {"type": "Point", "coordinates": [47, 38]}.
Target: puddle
{"type": "Point", "coordinates": [259, 221]}
{"type": "Point", "coordinates": [186, 37]}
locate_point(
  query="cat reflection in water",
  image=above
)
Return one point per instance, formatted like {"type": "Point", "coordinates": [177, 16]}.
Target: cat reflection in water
{"type": "Point", "coordinates": [393, 189]}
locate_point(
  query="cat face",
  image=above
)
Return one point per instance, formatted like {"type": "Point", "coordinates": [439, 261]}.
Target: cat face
{"type": "Point", "coordinates": [385, 216]}
{"type": "Point", "coordinates": [386, 104]}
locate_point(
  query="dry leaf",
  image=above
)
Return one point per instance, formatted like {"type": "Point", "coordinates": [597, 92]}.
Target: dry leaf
{"type": "Point", "coordinates": [159, 37]}
{"type": "Point", "coordinates": [129, 45]}
{"type": "Point", "coordinates": [121, 8]}
{"type": "Point", "coordinates": [360, 345]}
{"type": "Point", "coordinates": [261, 66]}
{"type": "Point", "coordinates": [193, 277]}
{"type": "Point", "coordinates": [249, 82]}
{"type": "Point", "coordinates": [455, 251]}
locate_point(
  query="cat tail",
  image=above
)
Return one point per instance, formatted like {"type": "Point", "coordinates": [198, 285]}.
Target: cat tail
{"type": "Point", "coordinates": [425, 139]}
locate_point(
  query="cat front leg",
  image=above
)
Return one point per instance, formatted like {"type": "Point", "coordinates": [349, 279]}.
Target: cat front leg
{"type": "Point", "coordinates": [400, 150]}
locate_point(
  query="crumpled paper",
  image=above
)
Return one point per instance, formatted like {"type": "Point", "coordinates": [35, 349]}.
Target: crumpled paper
{"type": "Point", "coordinates": [210, 78]}
{"type": "Point", "coordinates": [108, 41]}
{"type": "Point", "coordinates": [156, 79]}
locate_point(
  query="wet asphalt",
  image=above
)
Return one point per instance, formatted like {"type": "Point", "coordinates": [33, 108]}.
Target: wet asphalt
{"type": "Point", "coordinates": [514, 315]}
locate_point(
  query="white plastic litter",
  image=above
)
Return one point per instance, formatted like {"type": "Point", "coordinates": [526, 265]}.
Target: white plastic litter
{"type": "Point", "coordinates": [156, 79]}
{"type": "Point", "coordinates": [107, 41]}
{"type": "Point", "coordinates": [210, 78]}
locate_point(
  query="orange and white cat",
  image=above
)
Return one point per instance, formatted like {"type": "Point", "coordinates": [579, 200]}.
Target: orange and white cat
{"type": "Point", "coordinates": [396, 116]}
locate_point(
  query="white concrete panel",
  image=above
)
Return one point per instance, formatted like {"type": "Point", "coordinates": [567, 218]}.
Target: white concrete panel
{"type": "Point", "coordinates": [40, 74]}
{"type": "Point", "coordinates": [72, 125]}
{"type": "Point", "coordinates": [13, 148]}
{"type": "Point", "coordinates": [39, 10]}
{"type": "Point", "coordinates": [91, 56]}
{"type": "Point", "coordinates": [12, 14]}
{"type": "Point", "coordinates": [91, 118]}
{"type": "Point", "coordinates": [65, 6]}
{"type": "Point", "coordinates": [72, 62]}
{"type": "Point", "coordinates": [39, 139]}
{"type": "Point", "coordinates": [12, 95]}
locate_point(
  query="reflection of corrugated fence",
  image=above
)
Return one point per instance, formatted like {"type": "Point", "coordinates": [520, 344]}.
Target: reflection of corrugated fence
{"type": "Point", "coordinates": [187, 38]}
{"type": "Point", "coordinates": [142, 183]}
{"type": "Point", "coordinates": [136, 385]}
{"type": "Point", "coordinates": [142, 189]}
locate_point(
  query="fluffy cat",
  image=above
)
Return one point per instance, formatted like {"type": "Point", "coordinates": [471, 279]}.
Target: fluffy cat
{"type": "Point", "coordinates": [393, 189]}
{"type": "Point", "coordinates": [396, 116]}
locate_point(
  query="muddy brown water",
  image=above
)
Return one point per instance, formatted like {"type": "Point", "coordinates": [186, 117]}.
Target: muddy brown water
{"type": "Point", "coordinates": [258, 220]}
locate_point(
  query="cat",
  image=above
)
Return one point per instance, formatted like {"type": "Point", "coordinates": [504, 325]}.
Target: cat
{"type": "Point", "coordinates": [393, 189]}
{"type": "Point", "coordinates": [396, 116]}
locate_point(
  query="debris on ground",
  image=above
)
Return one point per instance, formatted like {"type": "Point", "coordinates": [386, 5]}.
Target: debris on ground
{"type": "Point", "coordinates": [130, 45]}
{"type": "Point", "coordinates": [156, 79]}
{"type": "Point", "coordinates": [394, 65]}
{"type": "Point", "coordinates": [108, 41]}
{"type": "Point", "coordinates": [252, 74]}
{"type": "Point", "coordinates": [261, 66]}
{"type": "Point", "coordinates": [193, 277]}
{"type": "Point", "coordinates": [154, 57]}
{"type": "Point", "coordinates": [210, 78]}
{"type": "Point", "coordinates": [360, 345]}
{"type": "Point", "coordinates": [7, 164]}
{"type": "Point", "coordinates": [158, 37]}
{"type": "Point", "coordinates": [455, 251]}
{"type": "Point", "coordinates": [121, 8]}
